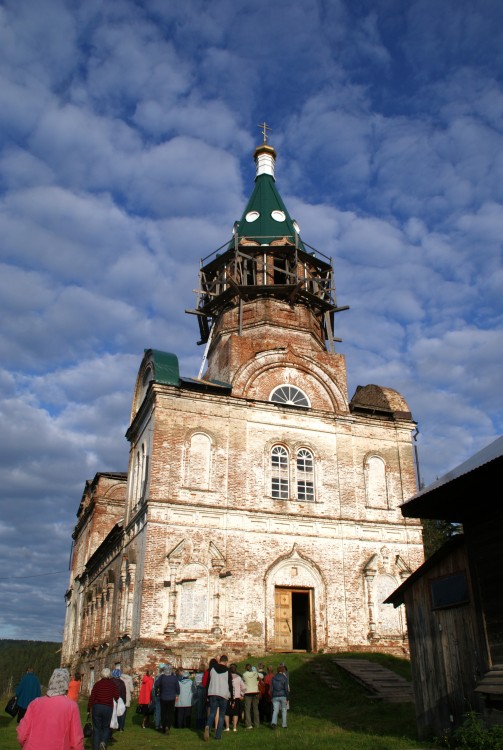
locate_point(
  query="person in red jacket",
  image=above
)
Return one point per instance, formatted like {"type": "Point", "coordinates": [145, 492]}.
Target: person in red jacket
{"type": "Point", "coordinates": [100, 705]}
{"type": "Point", "coordinates": [145, 696]}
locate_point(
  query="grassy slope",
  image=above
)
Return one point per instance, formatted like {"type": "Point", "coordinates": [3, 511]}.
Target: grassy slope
{"type": "Point", "coordinates": [345, 718]}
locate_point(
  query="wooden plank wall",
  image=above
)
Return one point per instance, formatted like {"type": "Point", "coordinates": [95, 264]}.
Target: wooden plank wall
{"type": "Point", "coordinates": [446, 652]}
{"type": "Point", "coordinates": [485, 553]}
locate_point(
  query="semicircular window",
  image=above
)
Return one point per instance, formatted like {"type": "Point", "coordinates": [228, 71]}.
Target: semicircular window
{"type": "Point", "coordinates": [289, 395]}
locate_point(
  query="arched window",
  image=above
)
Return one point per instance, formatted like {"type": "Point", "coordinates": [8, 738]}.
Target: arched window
{"type": "Point", "coordinates": [305, 475]}
{"type": "Point", "coordinates": [199, 464]}
{"type": "Point", "coordinates": [375, 482]}
{"type": "Point", "coordinates": [289, 395]}
{"type": "Point", "coordinates": [140, 475]}
{"type": "Point", "coordinates": [280, 484]}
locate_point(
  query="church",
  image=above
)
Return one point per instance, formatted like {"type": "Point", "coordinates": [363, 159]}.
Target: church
{"type": "Point", "coordinates": [261, 506]}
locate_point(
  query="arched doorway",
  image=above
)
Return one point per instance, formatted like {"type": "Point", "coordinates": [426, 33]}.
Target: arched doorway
{"type": "Point", "coordinates": [295, 599]}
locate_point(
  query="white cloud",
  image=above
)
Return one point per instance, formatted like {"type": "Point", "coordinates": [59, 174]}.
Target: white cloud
{"type": "Point", "coordinates": [125, 156]}
{"type": "Point", "coordinates": [26, 30]}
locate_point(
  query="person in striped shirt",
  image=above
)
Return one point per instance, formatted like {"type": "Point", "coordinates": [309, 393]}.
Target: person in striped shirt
{"type": "Point", "coordinates": [100, 706]}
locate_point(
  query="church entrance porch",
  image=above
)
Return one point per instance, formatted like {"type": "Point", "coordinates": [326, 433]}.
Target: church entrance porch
{"type": "Point", "coordinates": [292, 619]}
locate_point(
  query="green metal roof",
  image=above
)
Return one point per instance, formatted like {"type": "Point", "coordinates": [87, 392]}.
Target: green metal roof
{"type": "Point", "coordinates": [166, 369]}
{"type": "Point", "coordinates": [264, 200]}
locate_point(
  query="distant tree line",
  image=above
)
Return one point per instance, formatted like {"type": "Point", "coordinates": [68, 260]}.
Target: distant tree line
{"type": "Point", "coordinates": [16, 656]}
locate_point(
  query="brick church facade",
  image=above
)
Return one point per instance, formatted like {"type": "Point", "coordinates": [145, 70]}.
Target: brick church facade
{"type": "Point", "coordinates": [261, 507]}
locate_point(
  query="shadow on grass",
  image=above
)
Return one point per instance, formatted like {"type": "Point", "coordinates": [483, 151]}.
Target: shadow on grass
{"type": "Point", "coordinates": [6, 720]}
{"type": "Point", "coordinates": [321, 717]}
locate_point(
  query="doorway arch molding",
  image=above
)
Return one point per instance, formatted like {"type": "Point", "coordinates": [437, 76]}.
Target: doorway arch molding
{"type": "Point", "coordinates": [296, 571]}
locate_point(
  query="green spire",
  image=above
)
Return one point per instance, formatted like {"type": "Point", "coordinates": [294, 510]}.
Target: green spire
{"type": "Point", "coordinates": [265, 218]}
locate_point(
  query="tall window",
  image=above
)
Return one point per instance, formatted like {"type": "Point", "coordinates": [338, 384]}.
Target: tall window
{"type": "Point", "coordinates": [279, 473]}
{"type": "Point", "coordinates": [140, 475]}
{"type": "Point", "coordinates": [305, 475]}
{"type": "Point", "coordinates": [193, 598]}
{"type": "Point", "coordinates": [199, 464]}
{"type": "Point", "coordinates": [375, 482]}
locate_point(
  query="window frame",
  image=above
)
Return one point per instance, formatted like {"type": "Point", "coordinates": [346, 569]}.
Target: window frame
{"type": "Point", "coordinates": [290, 401]}
{"type": "Point", "coordinates": [308, 473]}
{"type": "Point", "coordinates": [280, 472]}
{"type": "Point", "coordinates": [292, 473]}
{"type": "Point", "coordinates": [450, 590]}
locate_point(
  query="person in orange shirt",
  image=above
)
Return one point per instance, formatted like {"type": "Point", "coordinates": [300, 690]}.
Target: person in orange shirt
{"type": "Point", "coordinates": [74, 687]}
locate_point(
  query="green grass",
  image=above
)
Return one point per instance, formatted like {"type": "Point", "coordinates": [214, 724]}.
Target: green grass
{"type": "Point", "coordinates": [345, 718]}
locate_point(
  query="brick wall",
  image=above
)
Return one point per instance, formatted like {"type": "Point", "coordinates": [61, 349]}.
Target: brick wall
{"type": "Point", "coordinates": [207, 546]}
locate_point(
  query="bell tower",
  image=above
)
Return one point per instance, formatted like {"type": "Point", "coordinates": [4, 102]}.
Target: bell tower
{"type": "Point", "coordinates": [266, 288]}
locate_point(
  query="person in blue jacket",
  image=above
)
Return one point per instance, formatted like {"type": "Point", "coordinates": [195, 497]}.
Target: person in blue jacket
{"type": "Point", "coordinates": [280, 691]}
{"type": "Point", "coordinates": [183, 706]}
{"type": "Point", "coordinates": [169, 688]}
{"type": "Point", "coordinates": [27, 690]}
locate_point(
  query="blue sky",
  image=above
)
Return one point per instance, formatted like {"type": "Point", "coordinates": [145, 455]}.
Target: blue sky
{"type": "Point", "coordinates": [126, 139]}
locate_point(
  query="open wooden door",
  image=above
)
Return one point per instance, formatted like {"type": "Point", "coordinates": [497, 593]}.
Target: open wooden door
{"type": "Point", "coordinates": [292, 619]}
{"type": "Point", "coordinates": [283, 620]}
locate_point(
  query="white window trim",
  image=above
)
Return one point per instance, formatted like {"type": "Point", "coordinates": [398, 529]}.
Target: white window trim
{"type": "Point", "coordinates": [280, 474]}
{"type": "Point", "coordinates": [283, 481]}
{"type": "Point", "coordinates": [293, 389]}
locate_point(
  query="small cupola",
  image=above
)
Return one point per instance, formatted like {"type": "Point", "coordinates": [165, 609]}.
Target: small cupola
{"type": "Point", "coordinates": [265, 159]}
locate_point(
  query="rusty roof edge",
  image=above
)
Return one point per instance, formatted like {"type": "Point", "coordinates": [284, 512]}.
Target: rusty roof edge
{"type": "Point", "coordinates": [491, 452]}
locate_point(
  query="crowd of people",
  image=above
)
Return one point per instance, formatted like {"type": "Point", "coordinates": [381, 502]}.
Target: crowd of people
{"type": "Point", "coordinates": [217, 697]}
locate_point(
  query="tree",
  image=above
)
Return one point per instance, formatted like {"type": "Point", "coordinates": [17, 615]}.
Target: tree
{"type": "Point", "coordinates": [436, 533]}
{"type": "Point", "coordinates": [16, 656]}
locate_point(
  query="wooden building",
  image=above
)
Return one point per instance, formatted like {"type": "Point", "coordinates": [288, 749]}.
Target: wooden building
{"type": "Point", "coordinates": [454, 601]}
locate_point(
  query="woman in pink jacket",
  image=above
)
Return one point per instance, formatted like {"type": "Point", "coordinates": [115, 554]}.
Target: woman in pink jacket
{"type": "Point", "coordinates": [53, 721]}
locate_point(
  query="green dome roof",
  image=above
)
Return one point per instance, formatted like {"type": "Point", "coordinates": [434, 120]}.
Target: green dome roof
{"type": "Point", "coordinates": [164, 366]}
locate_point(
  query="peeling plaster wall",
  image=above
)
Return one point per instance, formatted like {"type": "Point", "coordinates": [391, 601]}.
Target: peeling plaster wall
{"type": "Point", "coordinates": [210, 542]}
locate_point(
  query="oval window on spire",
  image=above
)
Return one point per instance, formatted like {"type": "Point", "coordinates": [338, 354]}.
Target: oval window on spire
{"type": "Point", "coordinates": [252, 216]}
{"type": "Point", "coordinates": [278, 215]}
{"type": "Point", "coordinates": [289, 395]}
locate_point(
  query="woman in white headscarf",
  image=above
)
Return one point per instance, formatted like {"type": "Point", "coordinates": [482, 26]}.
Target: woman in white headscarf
{"type": "Point", "coordinates": [53, 721]}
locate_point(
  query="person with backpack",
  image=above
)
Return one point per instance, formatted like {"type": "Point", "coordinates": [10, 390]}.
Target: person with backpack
{"type": "Point", "coordinates": [220, 692]}
{"type": "Point", "coordinates": [280, 691]}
